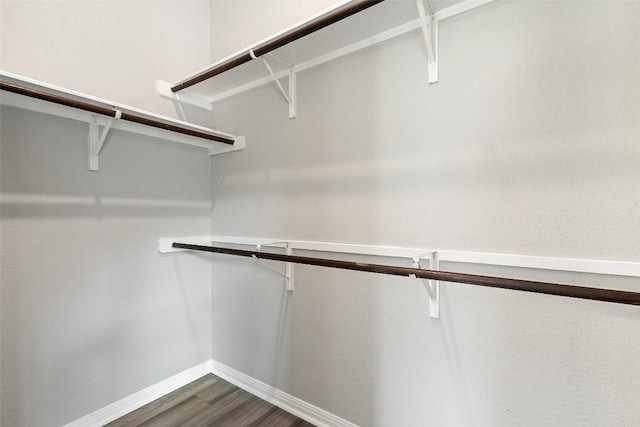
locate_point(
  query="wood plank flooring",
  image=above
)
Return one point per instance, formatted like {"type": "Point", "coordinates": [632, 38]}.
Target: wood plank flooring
{"type": "Point", "coordinates": [209, 401]}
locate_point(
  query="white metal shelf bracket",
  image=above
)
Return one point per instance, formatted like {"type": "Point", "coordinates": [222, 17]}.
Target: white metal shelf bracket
{"type": "Point", "coordinates": [432, 286]}
{"type": "Point", "coordinates": [290, 96]}
{"type": "Point", "coordinates": [163, 89]}
{"type": "Point", "coordinates": [288, 269]}
{"type": "Point", "coordinates": [430, 33]}
{"type": "Point", "coordinates": [97, 139]}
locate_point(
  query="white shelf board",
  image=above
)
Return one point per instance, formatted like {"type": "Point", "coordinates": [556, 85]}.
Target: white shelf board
{"type": "Point", "coordinates": [592, 266]}
{"type": "Point", "coordinates": [41, 106]}
{"type": "Point", "coordinates": [388, 19]}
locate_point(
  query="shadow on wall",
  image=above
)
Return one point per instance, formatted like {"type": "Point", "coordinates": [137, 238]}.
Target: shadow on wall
{"type": "Point", "coordinates": [44, 172]}
{"type": "Point", "coordinates": [492, 158]}
{"type": "Point", "coordinates": [323, 337]}
{"type": "Point", "coordinates": [91, 313]}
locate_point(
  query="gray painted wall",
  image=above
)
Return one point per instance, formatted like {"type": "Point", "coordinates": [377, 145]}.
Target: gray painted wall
{"type": "Point", "coordinates": [90, 312]}
{"type": "Point", "coordinates": [113, 49]}
{"type": "Point", "coordinates": [238, 24]}
{"type": "Point", "coordinates": [530, 144]}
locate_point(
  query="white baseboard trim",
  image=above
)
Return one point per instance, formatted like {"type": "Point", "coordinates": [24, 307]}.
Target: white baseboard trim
{"type": "Point", "coordinates": [308, 412]}
{"type": "Point", "coordinates": [139, 399]}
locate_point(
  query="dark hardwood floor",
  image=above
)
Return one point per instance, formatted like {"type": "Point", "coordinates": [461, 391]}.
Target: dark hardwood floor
{"type": "Point", "coordinates": [209, 401]}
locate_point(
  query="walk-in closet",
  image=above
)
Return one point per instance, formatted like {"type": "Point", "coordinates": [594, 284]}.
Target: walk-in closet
{"type": "Point", "coordinates": [333, 213]}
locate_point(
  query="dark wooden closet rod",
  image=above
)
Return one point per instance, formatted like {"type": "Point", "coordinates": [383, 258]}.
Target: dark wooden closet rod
{"type": "Point", "coordinates": [609, 295]}
{"type": "Point", "coordinates": [106, 111]}
{"type": "Point", "coordinates": [332, 17]}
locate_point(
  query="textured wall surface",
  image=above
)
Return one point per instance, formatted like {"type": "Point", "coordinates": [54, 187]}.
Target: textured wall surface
{"type": "Point", "coordinates": [90, 312]}
{"type": "Point", "coordinates": [238, 24]}
{"type": "Point", "coordinates": [113, 49]}
{"type": "Point", "coordinates": [529, 144]}
{"type": "Point", "coordinates": [525, 146]}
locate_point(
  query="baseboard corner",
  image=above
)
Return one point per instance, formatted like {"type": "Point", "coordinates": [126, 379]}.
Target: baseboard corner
{"type": "Point", "coordinates": [298, 407]}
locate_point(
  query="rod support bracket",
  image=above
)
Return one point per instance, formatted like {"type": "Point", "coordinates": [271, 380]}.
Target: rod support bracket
{"type": "Point", "coordinates": [97, 138]}
{"type": "Point", "coordinates": [432, 286]}
{"type": "Point", "coordinates": [429, 20]}
{"type": "Point", "coordinates": [290, 96]}
{"type": "Point", "coordinates": [288, 267]}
